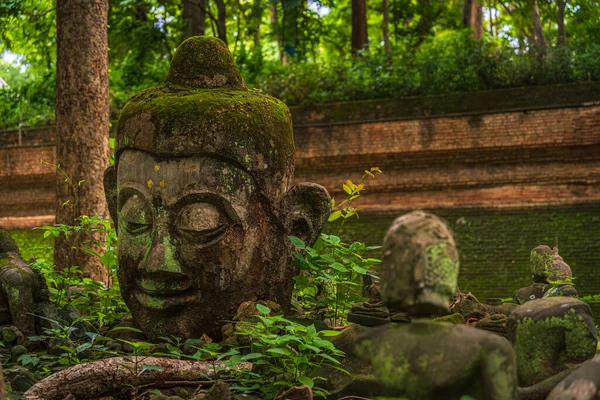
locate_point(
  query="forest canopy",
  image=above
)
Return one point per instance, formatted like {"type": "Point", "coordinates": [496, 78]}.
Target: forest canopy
{"type": "Point", "coordinates": [313, 51]}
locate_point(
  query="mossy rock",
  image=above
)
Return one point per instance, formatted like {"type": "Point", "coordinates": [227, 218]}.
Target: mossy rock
{"type": "Point", "coordinates": [549, 333]}
{"type": "Point", "coordinates": [455, 318]}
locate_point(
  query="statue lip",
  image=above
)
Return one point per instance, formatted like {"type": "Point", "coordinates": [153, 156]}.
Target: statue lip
{"type": "Point", "coordinates": [164, 284]}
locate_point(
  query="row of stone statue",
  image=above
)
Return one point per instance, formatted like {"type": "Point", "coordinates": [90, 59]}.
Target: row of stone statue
{"type": "Point", "coordinates": [404, 346]}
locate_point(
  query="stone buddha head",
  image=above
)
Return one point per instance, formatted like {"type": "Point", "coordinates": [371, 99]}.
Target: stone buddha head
{"type": "Point", "coordinates": [419, 270]}
{"type": "Point", "coordinates": [200, 194]}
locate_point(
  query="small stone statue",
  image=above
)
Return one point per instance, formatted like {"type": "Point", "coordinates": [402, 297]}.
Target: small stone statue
{"type": "Point", "coordinates": [549, 334]}
{"type": "Point", "coordinates": [22, 288]}
{"type": "Point", "coordinates": [200, 193]}
{"type": "Point", "coordinates": [372, 312]}
{"type": "Point", "coordinates": [550, 274]}
{"type": "Point", "coordinates": [423, 359]}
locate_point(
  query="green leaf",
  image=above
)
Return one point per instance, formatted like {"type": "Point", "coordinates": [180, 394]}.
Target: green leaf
{"type": "Point", "coordinates": [334, 215]}
{"type": "Point", "coordinates": [279, 350]}
{"type": "Point", "coordinates": [296, 241]}
{"type": "Point", "coordinates": [126, 328]}
{"type": "Point", "coordinates": [263, 309]}
{"type": "Point", "coordinates": [251, 356]}
{"type": "Point", "coordinates": [146, 367]}
{"type": "Point", "coordinates": [305, 380]}
{"type": "Point", "coordinates": [329, 333]}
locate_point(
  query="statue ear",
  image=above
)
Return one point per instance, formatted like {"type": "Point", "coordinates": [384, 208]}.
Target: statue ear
{"type": "Point", "coordinates": [110, 191]}
{"type": "Point", "coordinates": [304, 211]}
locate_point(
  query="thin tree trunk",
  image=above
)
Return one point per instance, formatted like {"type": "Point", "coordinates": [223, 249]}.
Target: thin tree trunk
{"type": "Point", "coordinates": [562, 39]}
{"type": "Point", "coordinates": [277, 31]}
{"type": "Point", "coordinates": [538, 29]}
{"type": "Point", "coordinates": [82, 118]}
{"type": "Point", "coordinates": [387, 45]}
{"type": "Point", "coordinates": [254, 28]}
{"type": "Point", "coordinates": [473, 18]}
{"type": "Point", "coordinates": [194, 17]}
{"type": "Point", "coordinates": [360, 38]}
{"type": "Point", "coordinates": [221, 20]}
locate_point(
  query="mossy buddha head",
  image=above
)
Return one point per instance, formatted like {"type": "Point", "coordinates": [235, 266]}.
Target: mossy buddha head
{"type": "Point", "coordinates": [420, 265]}
{"type": "Point", "coordinates": [547, 266]}
{"type": "Point", "coordinates": [200, 192]}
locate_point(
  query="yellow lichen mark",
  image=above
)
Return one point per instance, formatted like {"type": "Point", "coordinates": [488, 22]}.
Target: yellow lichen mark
{"type": "Point", "coordinates": [150, 183]}
{"type": "Point", "coordinates": [156, 168]}
{"type": "Point", "coordinates": [162, 183]}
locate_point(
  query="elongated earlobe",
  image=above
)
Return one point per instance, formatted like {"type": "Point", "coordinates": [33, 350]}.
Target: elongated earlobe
{"type": "Point", "coordinates": [304, 211]}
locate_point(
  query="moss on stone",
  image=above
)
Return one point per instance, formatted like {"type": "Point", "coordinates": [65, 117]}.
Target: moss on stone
{"type": "Point", "coordinates": [543, 347]}
{"type": "Point", "coordinates": [540, 263]}
{"type": "Point", "coordinates": [204, 62]}
{"type": "Point", "coordinates": [455, 318]}
{"type": "Point", "coordinates": [7, 243]}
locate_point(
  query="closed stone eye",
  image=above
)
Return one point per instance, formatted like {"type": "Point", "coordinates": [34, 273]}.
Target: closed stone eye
{"type": "Point", "coordinates": [135, 216]}
{"type": "Point", "coordinates": [202, 222]}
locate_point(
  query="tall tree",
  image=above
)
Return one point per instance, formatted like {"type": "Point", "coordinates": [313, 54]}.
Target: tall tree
{"type": "Point", "coordinates": [194, 17]}
{"type": "Point", "coordinates": [562, 38]}
{"type": "Point", "coordinates": [473, 18]}
{"type": "Point", "coordinates": [540, 39]}
{"type": "Point", "coordinates": [82, 118]}
{"type": "Point", "coordinates": [221, 20]}
{"type": "Point", "coordinates": [387, 45]}
{"type": "Point", "coordinates": [360, 38]}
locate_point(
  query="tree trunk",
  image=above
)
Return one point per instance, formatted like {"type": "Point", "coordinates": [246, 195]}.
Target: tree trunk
{"type": "Point", "coordinates": [82, 117]}
{"type": "Point", "coordinates": [277, 31]}
{"type": "Point", "coordinates": [473, 18]}
{"type": "Point", "coordinates": [387, 45]}
{"type": "Point", "coordinates": [562, 39]}
{"type": "Point", "coordinates": [194, 17]}
{"type": "Point", "coordinates": [254, 29]}
{"type": "Point", "coordinates": [221, 20]}
{"type": "Point", "coordinates": [360, 38]}
{"type": "Point", "coordinates": [540, 39]}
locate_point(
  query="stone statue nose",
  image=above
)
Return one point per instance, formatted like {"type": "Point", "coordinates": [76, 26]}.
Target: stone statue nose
{"type": "Point", "coordinates": [161, 257]}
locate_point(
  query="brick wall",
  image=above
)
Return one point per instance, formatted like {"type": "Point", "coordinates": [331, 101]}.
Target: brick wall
{"type": "Point", "coordinates": [510, 169]}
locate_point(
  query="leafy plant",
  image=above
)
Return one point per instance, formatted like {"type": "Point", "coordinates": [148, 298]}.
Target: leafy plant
{"type": "Point", "coordinates": [285, 353]}
{"type": "Point", "coordinates": [328, 283]}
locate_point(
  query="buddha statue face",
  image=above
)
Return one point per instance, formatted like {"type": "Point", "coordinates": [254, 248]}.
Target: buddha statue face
{"type": "Point", "coordinates": [200, 193]}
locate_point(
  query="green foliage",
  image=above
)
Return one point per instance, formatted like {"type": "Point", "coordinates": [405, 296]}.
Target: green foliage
{"type": "Point", "coordinates": [328, 283]}
{"type": "Point", "coordinates": [451, 61]}
{"type": "Point", "coordinates": [100, 302]}
{"type": "Point", "coordinates": [303, 53]}
{"type": "Point", "coordinates": [285, 353]}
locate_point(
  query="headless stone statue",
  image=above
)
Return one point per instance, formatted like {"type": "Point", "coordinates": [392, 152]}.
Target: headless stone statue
{"type": "Point", "coordinates": [423, 359]}
{"type": "Point", "coordinates": [549, 334]}
{"type": "Point", "coordinates": [22, 288]}
{"type": "Point", "coordinates": [200, 193]}
{"type": "Point", "coordinates": [547, 268]}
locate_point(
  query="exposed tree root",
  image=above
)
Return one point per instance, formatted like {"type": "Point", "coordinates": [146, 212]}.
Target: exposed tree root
{"type": "Point", "coordinates": [93, 379]}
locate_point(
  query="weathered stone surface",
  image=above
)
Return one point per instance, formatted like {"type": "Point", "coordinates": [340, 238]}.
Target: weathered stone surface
{"type": "Point", "coordinates": [420, 265]}
{"type": "Point", "coordinates": [22, 287]}
{"type": "Point", "coordinates": [422, 359]}
{"type": "Point", "coordinates": [549, 333]}
{"type": "Point", "coordinates": [581, 384]}
{"type": "Point", "coordinates": [201, 195]}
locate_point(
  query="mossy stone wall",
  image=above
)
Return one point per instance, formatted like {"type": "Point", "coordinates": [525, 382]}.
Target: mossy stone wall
{"type": "Point", "coordinates": [494, 245]}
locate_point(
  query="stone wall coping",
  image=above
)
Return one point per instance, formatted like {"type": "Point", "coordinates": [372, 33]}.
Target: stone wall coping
{"type": "Point", "coordinates": [529, 98]}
